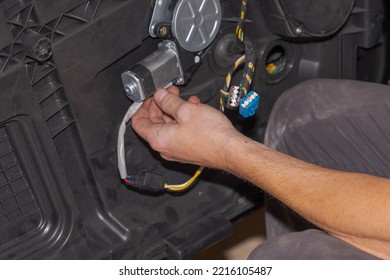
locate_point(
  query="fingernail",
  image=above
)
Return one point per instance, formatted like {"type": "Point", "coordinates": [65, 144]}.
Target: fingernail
{"type": "Point", "coordinates": [160, 94]}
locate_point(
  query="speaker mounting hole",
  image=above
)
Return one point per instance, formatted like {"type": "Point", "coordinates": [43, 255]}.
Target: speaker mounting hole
{"type": "Point", "coordinates": [276, 61]}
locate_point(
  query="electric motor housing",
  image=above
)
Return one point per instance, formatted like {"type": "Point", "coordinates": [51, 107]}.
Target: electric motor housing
{"type": "Point", "coordinates": [194, 23]}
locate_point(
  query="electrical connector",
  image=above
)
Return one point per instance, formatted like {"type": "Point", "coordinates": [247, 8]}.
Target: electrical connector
{"type": "Point", "coordinates": [147, 182]}
{"type": "Point", "coordinates": [234, 98]}
{"type": "Point", "coordinates": [249, 104]}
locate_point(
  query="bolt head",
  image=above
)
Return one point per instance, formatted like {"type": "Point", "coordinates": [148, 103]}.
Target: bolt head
{"type": "Point", "coordinates": [163, 31]}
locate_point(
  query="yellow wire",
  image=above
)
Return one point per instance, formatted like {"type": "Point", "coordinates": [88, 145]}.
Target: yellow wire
{"type": "Point", "coordinates": [239, 62]}
{"type": "Point", "coordinates": [228, 80]}
{"type": "Point", "coordinates": [239, 31]}
{"type": "Point", "coordinates": [221, 101]}
{"type": "Point", "coordinates": [186, 185]}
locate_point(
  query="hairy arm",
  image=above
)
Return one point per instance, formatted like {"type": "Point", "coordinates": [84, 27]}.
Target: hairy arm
{"type": "Point", "coordinates": [352, 207]}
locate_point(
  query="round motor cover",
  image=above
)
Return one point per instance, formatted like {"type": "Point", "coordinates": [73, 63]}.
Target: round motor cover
{"type": "Point", "coordinates": [196, 23]}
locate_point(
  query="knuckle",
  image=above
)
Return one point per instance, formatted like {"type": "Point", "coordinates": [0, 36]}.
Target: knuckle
{"type": "Point", "coordinates": [158, 144]}
{"type": "Point", "coordinates": [184, 112]}
{"type": "Point", "coordinates": [168, 102]}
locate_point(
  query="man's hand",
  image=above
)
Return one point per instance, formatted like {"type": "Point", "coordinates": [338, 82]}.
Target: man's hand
{"type": "Point", "coordinates": [346, 205]}
{"type": "Point", "coordinates": [188, 132]}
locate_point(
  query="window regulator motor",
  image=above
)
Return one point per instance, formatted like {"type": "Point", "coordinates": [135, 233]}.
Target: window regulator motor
{"type": "Point", "coordinates": [187, 27]}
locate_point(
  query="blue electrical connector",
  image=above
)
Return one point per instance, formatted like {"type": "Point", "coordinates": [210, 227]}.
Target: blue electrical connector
{"type": "Point", "coordinates": [249, 104]}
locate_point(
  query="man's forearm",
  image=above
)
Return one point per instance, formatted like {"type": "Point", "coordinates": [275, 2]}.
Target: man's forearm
{"type": "Point", "coordinates": [353, 207]}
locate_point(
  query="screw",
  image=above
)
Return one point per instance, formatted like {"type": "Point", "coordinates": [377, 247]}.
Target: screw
{"type": "Point", "coordinates": [169, 44]}
{"type": "Point", "coordinates": [163, 31]}
{"type": "Point", "coordinates": [43, 49]}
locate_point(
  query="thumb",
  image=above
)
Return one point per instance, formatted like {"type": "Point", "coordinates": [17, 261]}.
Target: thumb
{"type": "Point", "coordinates": [168, 102]}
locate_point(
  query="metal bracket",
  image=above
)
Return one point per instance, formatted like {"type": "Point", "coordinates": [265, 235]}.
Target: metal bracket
{"type": "Point", "coordinates": [160, 14]}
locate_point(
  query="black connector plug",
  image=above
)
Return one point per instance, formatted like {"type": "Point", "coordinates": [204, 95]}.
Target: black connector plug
{"type": "Point", "coordinates": [148, 182]}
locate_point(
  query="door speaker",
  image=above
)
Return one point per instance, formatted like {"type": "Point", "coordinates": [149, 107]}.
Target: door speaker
{"type": "Point", "coordinates": [306, 18]}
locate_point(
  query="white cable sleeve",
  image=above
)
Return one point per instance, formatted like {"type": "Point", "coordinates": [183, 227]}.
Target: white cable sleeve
{"type": "Point", "coordinates": [121, 138]}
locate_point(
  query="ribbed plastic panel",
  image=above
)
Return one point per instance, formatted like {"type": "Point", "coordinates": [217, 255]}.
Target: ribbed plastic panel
{"type": "Point", "coordinates": [19, 210]}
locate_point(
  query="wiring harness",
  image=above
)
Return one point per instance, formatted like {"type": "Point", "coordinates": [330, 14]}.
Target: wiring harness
{"type": "Point", "coordinates": [231, 96]}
